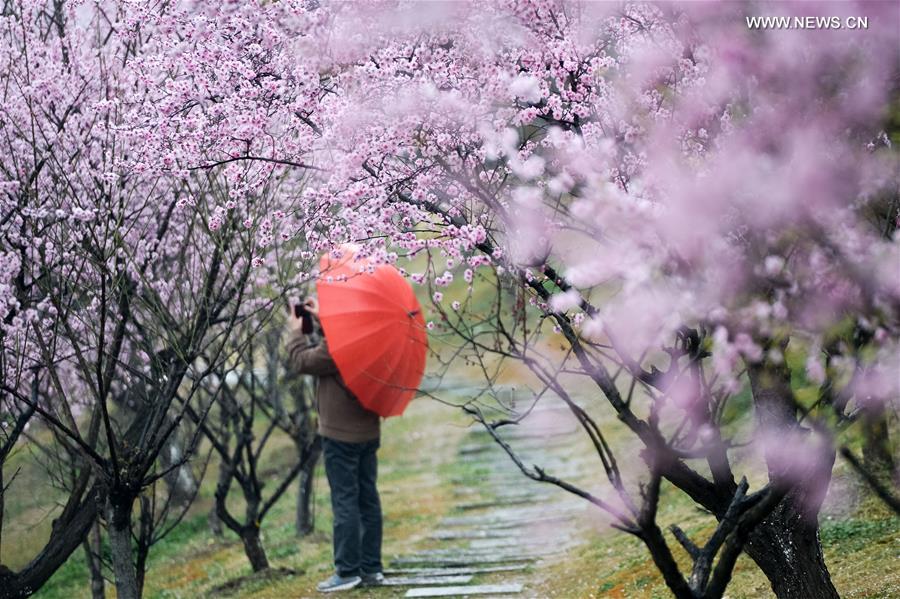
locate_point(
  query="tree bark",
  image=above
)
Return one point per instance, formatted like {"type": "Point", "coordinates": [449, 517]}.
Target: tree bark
{"type": "Point", "coordinates": [68, 533]}
{"type": "Point", "coordinates": [145, 540]}
{"type": "Point", "coordinates": [249, 533]}
{"type": "Point", "coordinates": [786, 545]}
{"type": "Point", "coordinates": [253, 548]}
{"type": "Point", "coordinates": [119, 531]}
{"type": "Point", "coordinates": [92, 550]}
{"type": "Point", "coordinates": [180, 481]}
{"type": "Point", "coordinates": [2, 507]}
{"type": "Point", "coordinates": [877, 456]}
{"type": "Point", "coordinates": [787, 549]}
{"type": "Point", "coordinates": [305, 512]}
{"type": "Point", "coordinates": [215, 523]}
{"type": "Point", "coordinates": [224, 477]}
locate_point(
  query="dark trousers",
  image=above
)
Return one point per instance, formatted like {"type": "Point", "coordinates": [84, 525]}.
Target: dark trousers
{"type": "Point", "coordinates": [352, 470]}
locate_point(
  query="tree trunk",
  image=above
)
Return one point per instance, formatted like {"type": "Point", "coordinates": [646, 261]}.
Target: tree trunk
{"type": "Point", "coordinates": [215, 523]}
{"type": "Point", "coordinates": [249, 533]}
{"type": "Point", "coordinates": [253, 548]}
{"type": "Point", "coordinates": [92, 550]}
{"type": "Point", "coordinates": [181, 481]}
{"type": "Point", "coordinates": [4, 571]}
{"type": "Point", "coordinates": [786, 545]}
{"type": "Point", "coordinates": [786, 548]}
{"type": "Point", "coordinates": [2, 504]}
{"type": "Point", "coordinates": [119, 531]}
{"type": "Point", "coordinates": [877, 456]}
{"type": "Point", "coordinates": [305, 517]}
{"type": "Point", "coordinates": [145, 540]}
{"type": "Point", "coordinates": [222, 482]}
{"type": "Point", "coordinates": [305, 506]}
{"type": "Point", "coordinates": [68, 533]}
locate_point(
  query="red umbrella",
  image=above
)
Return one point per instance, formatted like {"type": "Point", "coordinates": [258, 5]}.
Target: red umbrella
{"type": "Point", "coordinates": [375, 331]}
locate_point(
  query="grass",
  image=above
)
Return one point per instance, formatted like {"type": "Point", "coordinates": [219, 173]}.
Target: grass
{"type": "Point", "coordinates": [416, 462]}
{"type": "Point", "coordinates": [419, 477]}
{"type": "Point", "coordinates": [858, 550]}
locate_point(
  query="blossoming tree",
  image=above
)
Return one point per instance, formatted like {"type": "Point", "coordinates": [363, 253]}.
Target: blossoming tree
{"type": "Point", "coordinates": [123, 262]}
{"type": "Point", "coordinates": [688, 205]}
{"type": "Point", "coordinates": [693, 210]}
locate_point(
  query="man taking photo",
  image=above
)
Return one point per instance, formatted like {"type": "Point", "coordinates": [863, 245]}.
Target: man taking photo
{"type": "Point", "coordinates": [350, 441]}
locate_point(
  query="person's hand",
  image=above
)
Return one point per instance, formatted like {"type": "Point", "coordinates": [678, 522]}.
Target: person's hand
{"type": "Point", "coordinates": [294, 323]}
{"type": "Point", "coordinates": [312, 305]}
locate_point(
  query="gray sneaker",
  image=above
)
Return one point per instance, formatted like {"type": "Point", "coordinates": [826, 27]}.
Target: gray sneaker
{"type": "Point", "coordinates": [339, 583]}
{"type": "Point", "coordinates": [373, 580]}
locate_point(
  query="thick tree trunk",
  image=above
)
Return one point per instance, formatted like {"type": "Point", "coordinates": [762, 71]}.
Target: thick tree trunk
{"type": "Point", "coordinates": [305, 512]}
{"type": "Point", "coordinates": [249, 533]}
{"type": "Point", "coordinates": [92, 555]}
{"type": "Point", "coordinates": [786, 547]}
{"type": "Point", "coordinates": [305, 516]}
{"type": "Point", "coordinates": [181, 482]}
{"type": "Point", "coordinates": [119, 531]}
{"type": "Point", "coordinates": [68, 533]}
{"type": "Point", "coordinates": [145, 539]}
{"type": "Point", "coordinates": [223, 482]}
{"type": "Point", "coordinates": [253, 548]}
{"type": "Point", "coordinates": [877, 456]}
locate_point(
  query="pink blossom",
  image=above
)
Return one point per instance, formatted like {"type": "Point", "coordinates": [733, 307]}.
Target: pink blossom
{"type": "Point", "coordinates": [527, 88]}
{"type": "Point", "coordinates": [815, 371]}
{"type": "Point", "coordinates": [563, 302]}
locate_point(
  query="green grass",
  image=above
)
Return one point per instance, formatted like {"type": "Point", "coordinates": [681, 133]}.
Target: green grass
{"type": "Point", "coordinates": [859, 551]}
{"type": "Point", "coordinates": [418, 464]}
{"type": "Point", "coordinates": [190, 562]}
{"type": "Point", "coordinates": [856, 534]}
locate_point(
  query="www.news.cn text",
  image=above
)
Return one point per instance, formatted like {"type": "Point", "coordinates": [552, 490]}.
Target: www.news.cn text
{"type": "Point", "coordinates": [808, 22]}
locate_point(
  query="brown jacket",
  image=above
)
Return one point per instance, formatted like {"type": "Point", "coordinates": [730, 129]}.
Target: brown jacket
{"type": "Point", "coordinates": [341, 417]}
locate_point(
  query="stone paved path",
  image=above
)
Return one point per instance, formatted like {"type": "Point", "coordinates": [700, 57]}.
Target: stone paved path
{"type": "Point", "coordinates": [503, 526]}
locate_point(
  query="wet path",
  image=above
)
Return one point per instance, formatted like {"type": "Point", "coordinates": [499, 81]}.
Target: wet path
{"type": "Point", "coordinates": [503, 526]}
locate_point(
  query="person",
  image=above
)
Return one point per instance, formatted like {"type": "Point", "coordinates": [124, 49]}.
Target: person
{"type": "Point", "coordinates": [350, 441]}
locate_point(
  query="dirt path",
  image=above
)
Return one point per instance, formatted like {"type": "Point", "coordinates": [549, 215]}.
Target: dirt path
{"type": "Point", "coordinates": [502, 527]}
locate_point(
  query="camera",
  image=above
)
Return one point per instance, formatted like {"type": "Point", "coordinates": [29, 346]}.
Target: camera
{"type": "Point", "coordinates": [302, 313]}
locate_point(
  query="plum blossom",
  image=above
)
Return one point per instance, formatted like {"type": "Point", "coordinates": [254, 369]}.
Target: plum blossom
{"type": "Point", "coordinates": [815, 370]}
{"type": "Point", "coordinates": [527, 88]}
{"type": "Point", "coordinates": [563, 302]}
